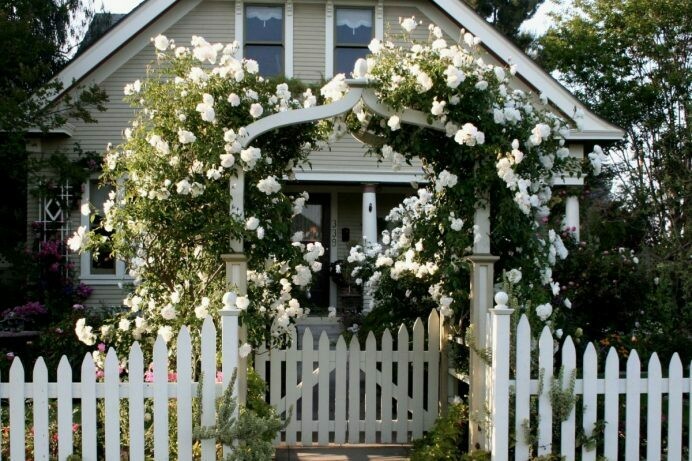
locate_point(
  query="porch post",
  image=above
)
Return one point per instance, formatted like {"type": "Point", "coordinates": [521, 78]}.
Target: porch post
{"type": "Point", "coordinates": [572, 214]}
{"type": "Point", "coordinates": [369, 220]}
{"type": "Point", "coordinates": [236, 275]}
{"type": "Point", "coordinates": [482, 278]}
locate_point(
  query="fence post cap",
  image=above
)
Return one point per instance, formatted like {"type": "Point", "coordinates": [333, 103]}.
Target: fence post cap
{"type": "Point", "coordinates": [229, 311]}
{"type": "Point", "coordinates": [501, 311]}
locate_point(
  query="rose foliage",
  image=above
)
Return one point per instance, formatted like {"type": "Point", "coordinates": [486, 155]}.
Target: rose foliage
{"type": "Point", "coordinates": [496, 145]}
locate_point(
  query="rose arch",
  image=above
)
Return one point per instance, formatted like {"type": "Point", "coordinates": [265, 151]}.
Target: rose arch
{"type": "Point", "coordinates": [207, 119]}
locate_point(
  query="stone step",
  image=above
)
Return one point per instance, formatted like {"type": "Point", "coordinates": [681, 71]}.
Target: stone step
{"type": "Point", "coordinates": [344, 453]}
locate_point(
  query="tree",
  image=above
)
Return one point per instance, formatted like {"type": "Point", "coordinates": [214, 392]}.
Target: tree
{"type": "Point", "coordinates": [507, 16]}
{"type": "Point", "coordinates": [38, 38]}
{"type": "Point", "coordinates": [629, 60]}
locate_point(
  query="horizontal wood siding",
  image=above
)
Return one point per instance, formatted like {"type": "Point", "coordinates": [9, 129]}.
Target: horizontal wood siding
{"type": "Point", "coordinates": [106, 295]}
{"type": "Point", "coordinates": [308, 42]}
{"type": "Point", "coordinates": [349, 155]}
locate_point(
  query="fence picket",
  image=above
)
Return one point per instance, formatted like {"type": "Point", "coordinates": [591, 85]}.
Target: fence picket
{"type": "Point", "coordinates": [135, 366]}
{"type": "Point", "coordinates": [386, 388]}
{"type": "Point", "coordinates": [112, 406]}
{"type": "Point", "coordinates": [370, 388]}
{"type": "Point", "coordinates": [275, 379]}
{"type": "Point", "coordinates": [340, 390]}
{"type": "Point", "coordinates": [160, 399]}
{"type": "Point", "coordinates": [632, 405]}
{"type": "Point", "coordinates": [545, 407]}
{"type": "Point", "coordinates": [184, 394]}
{"type": "Point", "coordinates": [88, 408]}
{"type": "Point", "coordinates": [323, 390]}
{"type": "Point", "coordinates": [433, 362]}
{"type": "Point", "coordinates": [567, 427]}
{"type": "Point", "coordinates": [64, 397]}
{"type": "Point", "coordinates": [589, 399]}
{"type": "Point", "coordinates": [261, 361]}
{"type": "Point", "coordinates": [401, 394]}
{"type": "Point", "coordinates": [17, 410]}
{"type": "Point", "coordinates": [675, 408]}
{"type": "Point", "coordinates": [306, 391]}
{"type": "Point", "coordinates": [522, 388]}
{"type": "Point", "coordinates": [40, 410]}
{"type": "Point", "coordinates": [354, 391]}
{"type": "Point", "coordinates": [418, 378]}
{"type": "Point", "coordinates": [291, 389]}
{"type": "Point", "coordinates": [612, 377]}
{"type": "Point", "coordinates": [653, 410]}
{"type": "Point", "coordinates": [208, 418]}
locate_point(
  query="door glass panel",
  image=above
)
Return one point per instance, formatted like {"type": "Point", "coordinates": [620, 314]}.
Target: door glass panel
{"type": "Point", "coordinates": [309, 222]}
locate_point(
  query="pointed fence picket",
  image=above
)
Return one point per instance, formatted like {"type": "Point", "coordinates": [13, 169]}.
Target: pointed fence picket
{"type": "Point", "coordinates": [590, 384]}
{"type": "Point", "coordinates": [100, 392]}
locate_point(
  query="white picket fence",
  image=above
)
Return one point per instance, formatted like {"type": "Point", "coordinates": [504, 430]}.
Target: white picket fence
{"type": "Point", "coordinates": [352, 395]}
{"type": "Point", "coordinates": [136, 391]}
{"type": "Point", "coordinates": [593, 386]}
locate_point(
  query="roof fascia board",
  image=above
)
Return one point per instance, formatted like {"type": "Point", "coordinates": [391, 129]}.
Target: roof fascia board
{"type": "Point", "coordinates": [120, 35]}
{"type": "Point", "coordinates": [503, 48]}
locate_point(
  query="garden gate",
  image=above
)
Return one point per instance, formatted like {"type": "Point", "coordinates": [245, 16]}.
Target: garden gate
{"type": "Point", "coordinates": [384, 393]}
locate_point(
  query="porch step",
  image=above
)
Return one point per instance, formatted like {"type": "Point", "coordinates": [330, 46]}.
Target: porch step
{"type": "Point", "coordinates": [344, 453]}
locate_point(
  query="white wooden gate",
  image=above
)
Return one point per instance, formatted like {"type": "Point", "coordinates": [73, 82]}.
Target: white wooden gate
{"type": "Point", "coordinates": [384, 393]}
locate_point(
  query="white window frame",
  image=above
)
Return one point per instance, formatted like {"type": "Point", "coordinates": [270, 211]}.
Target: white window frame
{"type": "Point", "coordinates": [330, 28]}
{"type": "Point", "coordinates": [120, 274]}
{"type": "Point", "coordinates": [287, 32]}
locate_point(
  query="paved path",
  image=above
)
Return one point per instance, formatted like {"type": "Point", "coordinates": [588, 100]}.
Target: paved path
{"type": "Point", "coordinates": [344, 453]}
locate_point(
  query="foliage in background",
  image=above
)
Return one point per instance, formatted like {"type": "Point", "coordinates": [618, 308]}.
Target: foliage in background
{"type": "Point", "coordinates": [631, 62]}
{"type": "Point", "coordinates": [507, 17]}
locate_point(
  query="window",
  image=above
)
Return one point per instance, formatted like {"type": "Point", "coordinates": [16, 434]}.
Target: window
{"type": "Point", "coordinates": [264, 37]}
{"type": "Point", "coordinates": [354, 31]}
{"type": "Point", "coordinates": [104, 266]}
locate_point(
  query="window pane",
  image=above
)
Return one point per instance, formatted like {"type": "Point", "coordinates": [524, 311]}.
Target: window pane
{"type": "Point", "coordinates": [264, 24]}
{"type": "Point", "coordinates": [309, 222]}
{"type": "Point", "coordinates": [104, 263]}
{"type": "Point", "coordinates": [353, 26]}
{"type": "Point", "coordinates": [345, 58]}
{"type": "Point", "coordinates": [269, 57]}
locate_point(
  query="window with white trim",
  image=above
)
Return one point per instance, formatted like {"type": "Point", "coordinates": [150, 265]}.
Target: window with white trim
{"type": "Point", "coordinates": [264, 38]}
{"type": "Point", "coordinates": [104, 267]}
{"type": "Point", "coordinates": [353, 32]}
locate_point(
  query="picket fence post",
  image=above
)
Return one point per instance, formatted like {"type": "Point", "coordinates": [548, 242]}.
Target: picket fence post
{"type": "Point", "coordinates": [229, 354]}
{"type": "Point", "coordinates": [499, 377]}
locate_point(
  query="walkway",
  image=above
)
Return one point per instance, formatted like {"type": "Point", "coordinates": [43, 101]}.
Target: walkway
{"type": "Point", "coordinates": [344, 453]}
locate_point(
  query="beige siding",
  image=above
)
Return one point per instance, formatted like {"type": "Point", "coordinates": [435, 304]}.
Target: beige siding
{"type": "Point", "coordinates": [308, 42]}
{"type": "Point", "coordinates": [106, 296]}
{"type": "Point", "coordinates": [349, 155]}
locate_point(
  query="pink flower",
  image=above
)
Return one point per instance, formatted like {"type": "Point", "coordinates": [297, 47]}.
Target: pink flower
{"type": "Point", "coordinates": [101, 347]}
{"type": "Point", "coordinates": [148, 376]}
{"type": "Point", "coordinates": [172, 376]}
{"type": "Point", "coordinates": [219, 376]}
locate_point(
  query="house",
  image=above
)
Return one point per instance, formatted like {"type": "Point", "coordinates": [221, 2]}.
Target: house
{"type": "Point", "coordinates": [311, 40]}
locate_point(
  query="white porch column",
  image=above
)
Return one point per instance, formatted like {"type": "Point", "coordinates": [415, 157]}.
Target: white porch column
{"type": "Point", "coordinates": [482, 278]}
{"type": "Point", "coordinates": [572, 214]}
{"type": "Point", "coordinates": [369, 221]}
{"type": "Point", "coordinates": [369, 214]}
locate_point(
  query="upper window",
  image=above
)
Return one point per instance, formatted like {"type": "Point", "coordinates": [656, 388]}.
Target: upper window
{"type": "Point", "coordinates": [264, 38]}
{"type": "Point", "coordinates": [354, 31]}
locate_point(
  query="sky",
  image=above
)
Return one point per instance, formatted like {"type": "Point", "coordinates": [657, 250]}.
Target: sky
{"type": "Point", "coordinates": [538, 24]}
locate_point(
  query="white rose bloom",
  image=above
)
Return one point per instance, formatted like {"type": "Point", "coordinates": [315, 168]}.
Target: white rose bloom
{"type": "Point", "coordinates": [166, 332]}
{"type": "Point", "coordinates": [183, 187]}
{"type": "Point", "coordinates": [84, 332]}
{"type": "Point", "coordinates": [256, 110]}
{"type": "Point", "coordinates": [409, 24]}
{"type": "Point", "coordinates": [227, 160]}
{"type": "Point", "coordinates": [251, 66]}
{"type": "Point", "coordinates": [394, 123]}
{"type": "Point", "coordinates": [234, 99]}
{"type": "Point", "coordinates": [124, 324]}
{"type": "Point", "coordinates": [251, 223]}
{"type": "Point", "coordinates": [78, 238]}
{"type": "Point", "coordinates": [250, 156]}
{"type": "Point", "coordinates": [375, 46]}
{"type": "Point", "coordinates": [260, 233]}
{"type": "Point", "coordinates": [544, 311]}
{"type": "Point", "coordinates": [242, 302]}
{"type": "Point", "coordinates": [161, 43]}
{"type": "Point", "coordinates": [186, 137]}
{"type": "Point", "coordinates": [438, 108]}
{"type": "Point", "coordinates": [499, 73]}
{"type": "Point", "coordinates": [244, 350]}
{"type": "Point", "coordinates": [168, 312]}
{"type": "Point", "coordinates": [454, 76]}
{"type": "Point", "coordinates": [482, 85]}
{"type": "Point", "coordinates": [469, 135]}
{"type": "Point", "coordinates": [332, 312]}
{"type": "Point", "coordinates": [568, 303]}
{"type": "Point", "coordinates": [269, 185]}
{"type": "Point", "coordinates": [457, 224]}
{"type": "Point", "coordinates": [514, 276]}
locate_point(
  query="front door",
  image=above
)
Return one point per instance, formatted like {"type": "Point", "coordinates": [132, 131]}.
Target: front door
{"type": "Point", "coordinates": [314, 223]}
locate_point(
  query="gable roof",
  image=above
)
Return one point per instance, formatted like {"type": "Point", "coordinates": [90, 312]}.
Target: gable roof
{"type": "Point", "coordinates": [594, 128]}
